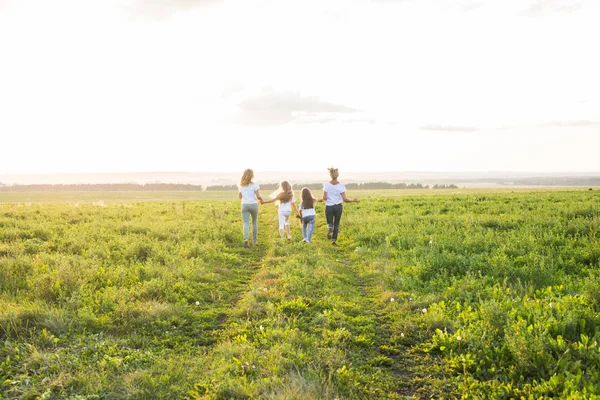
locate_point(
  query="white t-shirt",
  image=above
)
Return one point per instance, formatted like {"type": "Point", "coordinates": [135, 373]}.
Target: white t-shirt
{"type": "Point", "coordinates": [248, 193]}
{"type": "Point", "coordinates": [307, 212]}
{"type": "Point", "coordinates": [285, 208]}
{"type": "Point", "coordinates": [334, 193]}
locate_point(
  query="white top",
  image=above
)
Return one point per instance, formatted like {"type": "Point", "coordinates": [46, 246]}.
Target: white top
{"type": "Point", "coordinates": [334, 193]}
{"type": "Point", "coordinates": [248, 193]}
{"type": "Point", "coordinates": [307, 212]}
{"type": "Point", "coordinates": [285, 208]}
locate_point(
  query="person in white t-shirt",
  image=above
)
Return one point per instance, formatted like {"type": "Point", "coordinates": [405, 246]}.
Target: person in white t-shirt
{"type": "Point", "coordinates": [248, 192]}
{"type": "Point", "coordinates": [334, 194]}
{"type": "Point", "coordinates": [285, 199]}
{"type": "Point", "coordinates": [307, 209]}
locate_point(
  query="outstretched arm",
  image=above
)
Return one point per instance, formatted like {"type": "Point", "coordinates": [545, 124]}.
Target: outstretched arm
{"type": "Point", "coordinates": [347, 200]}
{"type": "Point", "coordinates": [295, 209]}
{"type": "Point", "coordinates": [257, 193]}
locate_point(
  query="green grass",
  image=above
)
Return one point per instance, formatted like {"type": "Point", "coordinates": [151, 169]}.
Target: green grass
{"type": "Point", "coordinates": [466, 294]}
{"type": "Point", "coordinates": [129, 197]}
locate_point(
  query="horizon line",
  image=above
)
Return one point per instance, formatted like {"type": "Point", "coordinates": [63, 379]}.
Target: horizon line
{"type": "Point", "coordinates": [304, 171]}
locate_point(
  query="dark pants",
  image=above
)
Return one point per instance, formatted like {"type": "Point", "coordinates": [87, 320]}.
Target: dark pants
{"type": "Point", "coordinates": [334, 215]}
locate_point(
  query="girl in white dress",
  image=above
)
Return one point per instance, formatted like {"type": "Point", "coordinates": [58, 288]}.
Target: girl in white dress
{"type": "Point", "coordinates": [284, 198]}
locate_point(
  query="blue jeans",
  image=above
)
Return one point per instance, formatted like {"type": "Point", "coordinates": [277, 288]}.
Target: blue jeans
{"type": "Point", "coordinates": [247, 210]}
{"type": "Point", "coordinates": [308, 225]}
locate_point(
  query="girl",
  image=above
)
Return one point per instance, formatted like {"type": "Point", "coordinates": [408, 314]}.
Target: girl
{"type": "Point", "coordinates": [307, 209]}
{"type": "Point", "coordinates": [248, 192]}
{"type": "Point", "coordinates": [334, 194]}
{"type": "Point", "coordinates": [284, 196]}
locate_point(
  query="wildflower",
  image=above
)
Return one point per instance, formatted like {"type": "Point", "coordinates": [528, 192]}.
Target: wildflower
{"type": "Point", "coordinates": [392, 299]}
{"type": "Point", "coordinates": [424, 310]}
{"type": "Point", "coordinates": [197, 303]}
{"type": "Point", "coordinates": [430, 242]}
{"type": "Point", "coordinates": [254, 367]}
{"type": "Point", "coordinates": [402, 334]}
{"type": "Point", "coordinates": [261, 328]}
{"type": "Point", "coordinates": [265, 289]}
{"type": "Point", "coordinates": [458, 338]}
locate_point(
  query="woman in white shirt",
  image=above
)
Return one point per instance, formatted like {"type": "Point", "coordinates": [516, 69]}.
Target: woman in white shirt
{"type": "Point", "coordinates": [249, 194]}
{"type": "Point", "coordinates": [334, 194]}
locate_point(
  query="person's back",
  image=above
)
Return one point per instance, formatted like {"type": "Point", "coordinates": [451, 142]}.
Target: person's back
{"type": "Point", "coordinates": [334, 193]}
{"type": "Point", "coordinates": [286, 207]}
{"type": "Point", "coordinates": [248, 193]}
{"type": "Point", "coordinates": [307, 209]}
{"type": "Point", "coordinates": [285, 199]}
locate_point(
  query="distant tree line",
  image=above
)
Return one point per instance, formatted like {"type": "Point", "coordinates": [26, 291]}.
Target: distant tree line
{"type": "Point", "coordinates": [556, 181]}
{"type": "Point", "coordinates": [443, 186]}
{"type": "Point", "coordinates": [350, 186]}
{"type": "Point", "coordinates": [104, 187]}
{"type": "Point", "coordinates": [267, 186]}
{"type": "Point", "coordinates": [178, 187]}
{"type": "Point", "coordinates": [385, 185]}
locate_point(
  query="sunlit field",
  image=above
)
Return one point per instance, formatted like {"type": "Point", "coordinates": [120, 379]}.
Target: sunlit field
{"type": "Point", "coordinates": [433, 293]}
{"type": "Point", "coordinates": [112, 197]}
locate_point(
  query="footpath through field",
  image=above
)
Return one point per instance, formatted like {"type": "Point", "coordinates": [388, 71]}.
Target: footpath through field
{"type": "Point", "coordinates": [313, 323]}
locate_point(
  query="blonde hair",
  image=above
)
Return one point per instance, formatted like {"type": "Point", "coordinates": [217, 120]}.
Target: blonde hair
{"type": "Point", "coordinates": [247, 177]}
{"type": "Point", "coordinates": [284, 194]}
{"type": "Point", "coordinates": [333, 172]}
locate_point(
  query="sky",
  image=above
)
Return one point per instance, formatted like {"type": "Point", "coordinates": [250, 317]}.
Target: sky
{"type": "Point", "coordinates": [365, 85]}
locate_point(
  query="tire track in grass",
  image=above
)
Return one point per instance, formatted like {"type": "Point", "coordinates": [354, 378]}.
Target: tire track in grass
{"type": "Point", "coordinates": [172, 375]}
{"type": "Point", "coordinates": [400, 366]}
{"type": "Point", "coordinates": [312, 324]}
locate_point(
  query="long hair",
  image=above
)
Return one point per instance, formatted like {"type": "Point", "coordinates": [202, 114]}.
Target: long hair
{"type": "Point", "coordinates": [247, 177]}
{"type": "Point", "coordinates": [284, 194]}
{"type": "Point", "coordinates": [333, 172]}
{"type": "Point", "coordinates": [308, 201]}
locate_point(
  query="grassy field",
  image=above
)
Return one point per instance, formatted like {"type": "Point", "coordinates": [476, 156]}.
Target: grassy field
{"type": "Point", "coordinates": [465, 294]}
{"type": "Point", "coordinates": [129, 197]}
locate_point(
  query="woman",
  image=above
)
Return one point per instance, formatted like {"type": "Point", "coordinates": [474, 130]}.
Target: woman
{"type": "Point", "coordinates": [334, 194]}
{"type": "Point", "coordinates": [248, 193]}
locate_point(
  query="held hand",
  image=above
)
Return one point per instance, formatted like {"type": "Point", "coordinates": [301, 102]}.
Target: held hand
{"type": "Point", "coordinates": [356, 200]}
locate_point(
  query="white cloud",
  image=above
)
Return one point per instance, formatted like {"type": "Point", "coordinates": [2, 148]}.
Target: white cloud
{"type": "Point", "coordinates": [272, 107]}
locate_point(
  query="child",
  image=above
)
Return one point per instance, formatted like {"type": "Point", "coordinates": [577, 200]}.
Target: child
{"type": "Point", "coordinates": [284, 197]}
{"type": "Point", "coordinates": [307, 209]}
